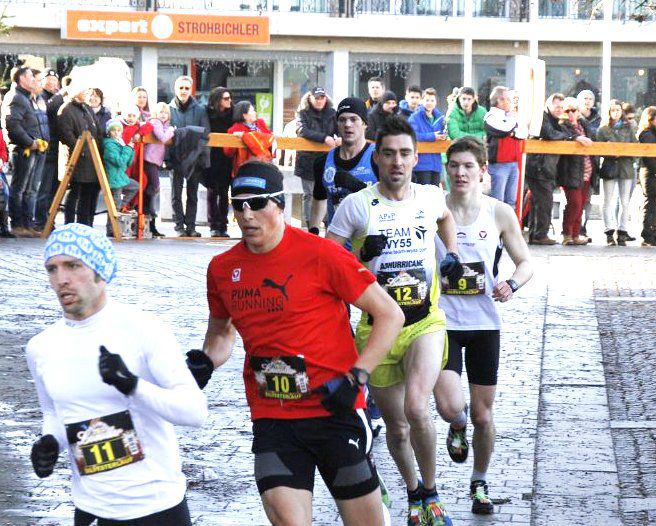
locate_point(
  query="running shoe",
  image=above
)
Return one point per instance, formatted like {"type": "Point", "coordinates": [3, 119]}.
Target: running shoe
{"type": "Point", "coordinates": [416, 514]}
{"type": "Point", "coordinates": [435, 513]}
{"type": "Point", "coordinates": [481, 502]}
{"type": "Point", "coordinates": [456, 442]}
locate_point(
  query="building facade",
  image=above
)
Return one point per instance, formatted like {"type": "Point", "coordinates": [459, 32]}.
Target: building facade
{"type": "Point", "coordinates": [603, 45]}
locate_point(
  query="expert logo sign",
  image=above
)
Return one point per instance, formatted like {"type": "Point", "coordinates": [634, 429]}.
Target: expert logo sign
{"type": "Point", "coordinates": [132, 26]}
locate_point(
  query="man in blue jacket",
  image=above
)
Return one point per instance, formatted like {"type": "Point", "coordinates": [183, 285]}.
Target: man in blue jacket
{"type": "Point", "coordinates": [428, 123]}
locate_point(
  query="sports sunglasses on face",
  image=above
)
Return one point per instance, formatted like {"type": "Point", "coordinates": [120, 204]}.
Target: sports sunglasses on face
{"type": "Point", "coordinates": [255, 203]}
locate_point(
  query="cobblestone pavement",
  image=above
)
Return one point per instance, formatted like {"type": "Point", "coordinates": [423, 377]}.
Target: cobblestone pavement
{"type": "Point", "coordinates": [552, 464]}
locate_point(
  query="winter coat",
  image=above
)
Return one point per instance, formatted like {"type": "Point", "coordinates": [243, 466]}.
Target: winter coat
{"type": "Point", "coordinates": [191, 114]}
{"type": "Point", "coordinates": [425, 131]}
{"type": "Point", "coordinates": [22, 122]}
{"type": "Point", "coordinates": [461, 124]}
{"type": "Point", "coordinates": [41, 109]}
{"type": "Point", "coordinates": [220, 169]}
{"type": "Point", "coordinates": [315, 126]}
{"type": "Point", "coordinates": [102, 116]}
{"type": "Point", "coordinates": [570, 167]}
{"type": "Point", "coordinates": [75, 118]}
{"type": "Point", "coordinates": [189, 145]}
{"type": "Point", "coordinates": [626, 133]}
{"type": "Point", "coordinates": [241, 155]}
{"type": "Point", "coordinates": [377, 115]}
{"type": "Point", "coordinates": [594, 121]}
{"type": "Point", "coordinates": [162, 131]}
{"type": "Point", "coordinates": [544, 166]}
{"type": "Point", "coordinates": [53, 105]}
{"type": "Point", "coordinates": [116, 158]}
{"type": "Point", "coordinates": [504, 135]}
{"type": "Point", "coordinates": [649, 163]}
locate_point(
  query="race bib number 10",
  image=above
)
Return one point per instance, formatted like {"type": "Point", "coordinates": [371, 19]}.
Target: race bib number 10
{"type": "Point", "coordinates": [281, 377]}
{"type": "Point", "coordinates": [104, 443]}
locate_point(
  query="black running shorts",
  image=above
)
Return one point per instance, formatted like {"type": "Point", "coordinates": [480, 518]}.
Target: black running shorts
{"type": "Point", "coordinates": [288, 451]}
{"type": "Point", "coordinates": [481, 355]}
{"type": "Point", "coordinates": [175, 516]}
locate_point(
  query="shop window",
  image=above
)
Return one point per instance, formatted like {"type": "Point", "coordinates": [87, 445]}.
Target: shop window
{"type": "Point", "coordinates": [166, 75]}
{"type": "Point", "coordinates": [298, 80]}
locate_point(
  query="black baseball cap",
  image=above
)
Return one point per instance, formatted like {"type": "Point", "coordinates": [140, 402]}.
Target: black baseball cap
{"type": "Point", "coordinates": [318, 91]}
{"type": "Point", "coordinates": [353, 105]}
{"type": "Point", "coordinates": [257, 177]}
{"type": "Point", "coordinates": [51, 73]}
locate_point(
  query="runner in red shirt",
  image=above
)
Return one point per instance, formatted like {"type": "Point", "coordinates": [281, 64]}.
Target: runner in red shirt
{"type": "Point", "coordinates": [284, 290]}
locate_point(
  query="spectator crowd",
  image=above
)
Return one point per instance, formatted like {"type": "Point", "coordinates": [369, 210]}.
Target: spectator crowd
{"type": "Point", "coordinates": [42, 122]}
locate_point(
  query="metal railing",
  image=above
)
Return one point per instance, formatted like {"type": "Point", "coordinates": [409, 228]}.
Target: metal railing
{"type": "Point", "coordinates": [572, 9]}
{"type": "Point", "coordinates": [515, 10]}
{"type": "Point", "coordinates": [636, 10]}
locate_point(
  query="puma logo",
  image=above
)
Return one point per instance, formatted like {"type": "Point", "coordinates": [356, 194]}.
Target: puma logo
{"type": "Point", "coordinates": [355, 443]}
{"type": "Point", "coordinates": [266, 282]}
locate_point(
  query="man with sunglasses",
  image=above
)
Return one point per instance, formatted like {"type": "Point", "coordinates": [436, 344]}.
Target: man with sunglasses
{"type": "Point", "coordinates": [346, 168]}
{"type": "Point", "coordinates": [187, 111]}
{"type": "Point", "coordinates": [392, 225]}
{"type": "Point", "coordinates": [284, 290]}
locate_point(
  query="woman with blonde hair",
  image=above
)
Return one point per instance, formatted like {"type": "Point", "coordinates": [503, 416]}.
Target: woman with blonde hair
{"type": "Point", "coordinates": [140, 98]}
{"type": "Point", "coordinates": [647, 177]}
{"type": "Point", "coordinates": [616, 173]}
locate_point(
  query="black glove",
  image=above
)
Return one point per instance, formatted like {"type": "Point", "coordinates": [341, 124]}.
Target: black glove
{"type": "Point", "coordinates": [200, 366]}
{"type": "Point", "coordinates": [314, 230]}
{"type": "Point", "coordinates": [114, 372]}
{"type": "Point", "coordinates": [451, 268]}
{"type": "Point", "coordinates": [345, 180]}
{"type": "Point", "coordinates": [373, 246]}
{"type": "Point", "coordinates": [44, 456]}
{"type": "Point", "coordinates": [340, 394]}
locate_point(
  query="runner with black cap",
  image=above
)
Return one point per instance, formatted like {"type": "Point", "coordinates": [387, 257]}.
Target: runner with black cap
{"type": "Point", "coordinates": [346, 168]}
{"type": "Point", "coordinates": [284, 290]}
{"type": "Point", "coordinates": [111, 382]}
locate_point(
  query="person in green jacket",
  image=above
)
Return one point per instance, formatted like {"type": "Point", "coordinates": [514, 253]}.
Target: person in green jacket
{"type": "Point", "coordinates": [466, 116]}
{"type": "Point", "coordinates": [117, 156]}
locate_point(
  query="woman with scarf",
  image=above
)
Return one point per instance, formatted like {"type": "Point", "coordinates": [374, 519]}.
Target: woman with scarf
{"type": "Point", "coordinates": [574, 173]}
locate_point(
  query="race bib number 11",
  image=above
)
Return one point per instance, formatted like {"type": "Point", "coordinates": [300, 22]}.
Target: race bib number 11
{"type": "Point", "coordinates": [104, 443]}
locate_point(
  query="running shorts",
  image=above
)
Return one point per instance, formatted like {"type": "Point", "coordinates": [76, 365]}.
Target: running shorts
{"type": "Point", "coordinates": [481, 355]}
{"type": "Point", "coordinates": [175, 516]}
{"type": "Point", "coordinates": [390, 371]}
{"type": "Point", "coordinates": [287, 452]}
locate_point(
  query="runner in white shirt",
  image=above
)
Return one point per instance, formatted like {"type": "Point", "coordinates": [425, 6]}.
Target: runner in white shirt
{"type": "Point", "coordinates": [392, 226]}
{"type": "Point", "coordinates": [111, 383]}
{"type": "Point", "coordinates": [485, 226]}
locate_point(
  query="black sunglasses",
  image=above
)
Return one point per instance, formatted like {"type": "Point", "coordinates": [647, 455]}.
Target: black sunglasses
{"type": "Point", "coordinates": [571, 111]}
{"type": "Point", "coordinates": [255, 203]}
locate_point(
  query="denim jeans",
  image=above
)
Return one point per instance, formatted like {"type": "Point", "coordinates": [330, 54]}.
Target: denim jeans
{"type": "Point", "coordinates": [47, 190]}
{"type": "Point", "coordinates": [611, 187]}
{"type": "Point", "coordinates": [504, 182]}
{"type": "Point", "coordinates": [24, 187]}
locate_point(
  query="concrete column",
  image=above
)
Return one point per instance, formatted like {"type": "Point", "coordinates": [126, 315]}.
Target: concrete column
{"type": "Point", "coordinates": [467, 62]}
{"type": "Point", "coordinates": [534, 49]}
{"type": "Point", "coordinates": [278, 96]}
{"type": "Point", "coordinates": [145, 71]}
{"type": "Point", "coordinates": [606, 74]}
{"type": "Point", "coordinates": [469, 9]}
{"type": "Point", "coordinates": [337, 75]}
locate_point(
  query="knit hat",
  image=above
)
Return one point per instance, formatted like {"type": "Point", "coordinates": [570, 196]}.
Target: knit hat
{"type": "Point", "coordinates": [82, 242]}
{"type": "Point", "coordinates": [353, 105]}
{"type": "Point", "coordinates": [388, 95]}
{"type": "Point", "coordinates": [257, 177]}
{"type": "Point", "coordinates": [113, 123]}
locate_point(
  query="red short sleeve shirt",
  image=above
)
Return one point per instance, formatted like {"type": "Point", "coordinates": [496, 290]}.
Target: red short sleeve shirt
{"type": "Point", "coordinates": [285, 304]}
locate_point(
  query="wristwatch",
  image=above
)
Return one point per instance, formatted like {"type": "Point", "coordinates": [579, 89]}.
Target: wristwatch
{"type": "Point", "coordinates": [360, 376]}
{"type": "Point", "coordinates": [513, 285]}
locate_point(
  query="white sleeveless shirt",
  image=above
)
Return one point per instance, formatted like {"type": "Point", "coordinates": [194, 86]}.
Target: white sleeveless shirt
{"type": "Point", "coordinates": [468, 304]}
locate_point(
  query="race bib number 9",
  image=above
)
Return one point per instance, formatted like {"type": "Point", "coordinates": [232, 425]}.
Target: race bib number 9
{"type": "Point", "coordinates": [472, 281]}
{"type": "Point", "coordinates": [281, 377]}
{"type": "Point", "coordinates": [104, 443]}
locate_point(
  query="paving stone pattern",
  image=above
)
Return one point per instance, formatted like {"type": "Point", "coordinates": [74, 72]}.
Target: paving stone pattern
{"type": "Point", "coordinates": [533, 401]}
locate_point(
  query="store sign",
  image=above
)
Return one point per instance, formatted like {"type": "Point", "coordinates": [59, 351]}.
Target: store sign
{"type": "Point", "coordinates": [264, 107]}
{"type": "Point", "coordinates": [150, 26]}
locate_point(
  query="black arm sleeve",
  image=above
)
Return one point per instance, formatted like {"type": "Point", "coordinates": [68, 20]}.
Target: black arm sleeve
{"type": "Point", "coordinates": [319, 193]}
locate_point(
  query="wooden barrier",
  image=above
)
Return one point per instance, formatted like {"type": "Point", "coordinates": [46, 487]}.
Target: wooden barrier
{"type": "Point", "coordinates": [616, 149]}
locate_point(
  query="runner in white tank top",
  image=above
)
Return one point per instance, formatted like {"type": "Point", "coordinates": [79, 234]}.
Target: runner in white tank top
{"type": "Point", "coordinates": [484, 225]}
